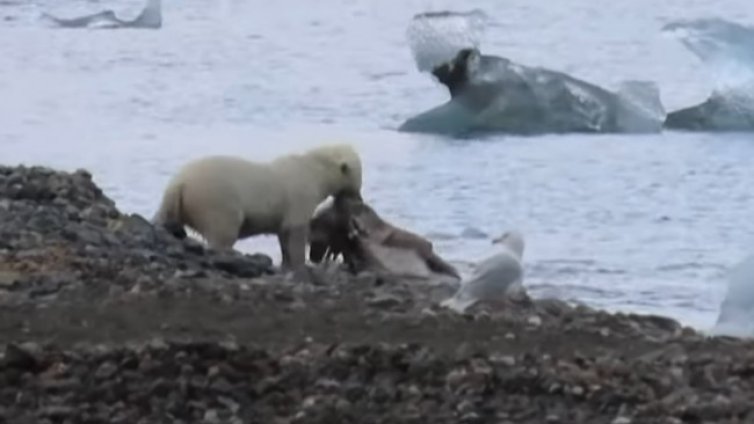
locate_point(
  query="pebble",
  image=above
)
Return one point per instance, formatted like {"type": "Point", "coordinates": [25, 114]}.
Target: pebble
{"type": "Point", "coordinates": [9, 278]}
{"type": "Point", "coordinates": [384, 301]}
{"type": "Point", "coordinates": [534, 320]}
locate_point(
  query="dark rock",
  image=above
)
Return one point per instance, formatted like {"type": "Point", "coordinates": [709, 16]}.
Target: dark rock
{"type": "Point", "coordinates": [57, 412]}
{"type": "Point", "coordinates": [18, 357]}
{"type": "Point", "coordinates": [243, 265]}
{"type": "Point", "coordinates": [106, 370]}
{"type": "Point", "coordinates": [384, 301]}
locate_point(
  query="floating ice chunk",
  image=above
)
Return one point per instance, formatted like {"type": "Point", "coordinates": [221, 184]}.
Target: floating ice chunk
{"type": "Point", "coordinates": [491, 93]}
{"type": "Point", "coordinates": [436, 37]}
{"type": "Point", "coordinates": [727, 51]}
{"type": "Point", "coordinates": [641, 107]}
{"type": "Point", "coordinates": [150, 17]}
{"type": "Point", "coordinates": [736, 317]}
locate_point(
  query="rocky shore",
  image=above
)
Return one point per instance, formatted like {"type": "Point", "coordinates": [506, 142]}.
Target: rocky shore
{"type": "Point", "coordinates": [106, 319]}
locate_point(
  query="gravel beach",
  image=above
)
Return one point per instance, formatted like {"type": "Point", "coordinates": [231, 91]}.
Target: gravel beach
{"type": "Point", "coordinates": [106, 319]}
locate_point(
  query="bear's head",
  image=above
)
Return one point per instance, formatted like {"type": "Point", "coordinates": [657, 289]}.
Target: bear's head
{"type": "Point", "coordinates": [341, 165]}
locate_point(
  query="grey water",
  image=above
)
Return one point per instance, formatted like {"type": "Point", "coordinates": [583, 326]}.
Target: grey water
{"type": "Point", "coordinates": [636, 223]}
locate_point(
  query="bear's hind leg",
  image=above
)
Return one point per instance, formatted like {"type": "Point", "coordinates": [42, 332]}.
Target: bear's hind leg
{"type": "Point", "coordinates": [221, 230]}
{"type": "Point", "coordinates": [221, 241]}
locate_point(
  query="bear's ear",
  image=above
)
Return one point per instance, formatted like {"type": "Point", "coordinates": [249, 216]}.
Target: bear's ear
{"type": "Point", "coordinates": [344, 168]}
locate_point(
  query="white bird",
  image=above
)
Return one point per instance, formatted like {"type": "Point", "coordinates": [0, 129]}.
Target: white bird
{"type": "Point", "coordinates": [493, 278]}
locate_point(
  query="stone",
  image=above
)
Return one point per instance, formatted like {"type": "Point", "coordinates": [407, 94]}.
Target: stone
{"type": "Point", "coordinates": [9, 278]}
{"type": "Point", "coordinates": [534, 320]}
{"type": "Point", "coordinates": [16, 356]}
{"type": "Point", "coordinates": [384, 301]}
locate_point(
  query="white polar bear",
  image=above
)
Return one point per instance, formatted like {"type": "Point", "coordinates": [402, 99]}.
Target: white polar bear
{"type": "Point", "coordinates": [226, 199]}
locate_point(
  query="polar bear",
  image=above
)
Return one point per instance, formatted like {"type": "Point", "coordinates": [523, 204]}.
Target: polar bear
{"type": "Point", "coordinates": [226, 199]}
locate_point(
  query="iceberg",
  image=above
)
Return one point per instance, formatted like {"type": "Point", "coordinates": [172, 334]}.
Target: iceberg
{"type": "Point", "coordinates": [736, 316]}
{"type": "Point", "coordinates": [726, 49]}
{"type": "Point", "coordinates": [149, 18]}
{"type": "Point", "coordinates": [491, 93]}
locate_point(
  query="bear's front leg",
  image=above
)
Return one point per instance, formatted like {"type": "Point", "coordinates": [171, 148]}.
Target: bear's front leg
{"type": "Point", "coordinates": [285, 259]}
{"type": "Point", "coordinates": [296, 238]}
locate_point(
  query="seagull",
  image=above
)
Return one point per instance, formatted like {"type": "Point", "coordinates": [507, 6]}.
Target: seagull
{"type": "Point", "coordinates": [494, 277]}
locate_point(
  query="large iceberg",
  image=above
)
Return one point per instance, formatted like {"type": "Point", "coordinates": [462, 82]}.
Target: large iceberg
{"type": "Point", "coordinates": [491, 93]}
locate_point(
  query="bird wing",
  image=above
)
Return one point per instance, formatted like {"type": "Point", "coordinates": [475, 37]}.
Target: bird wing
{"type": "Point", "coordinates": [495, 275]}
